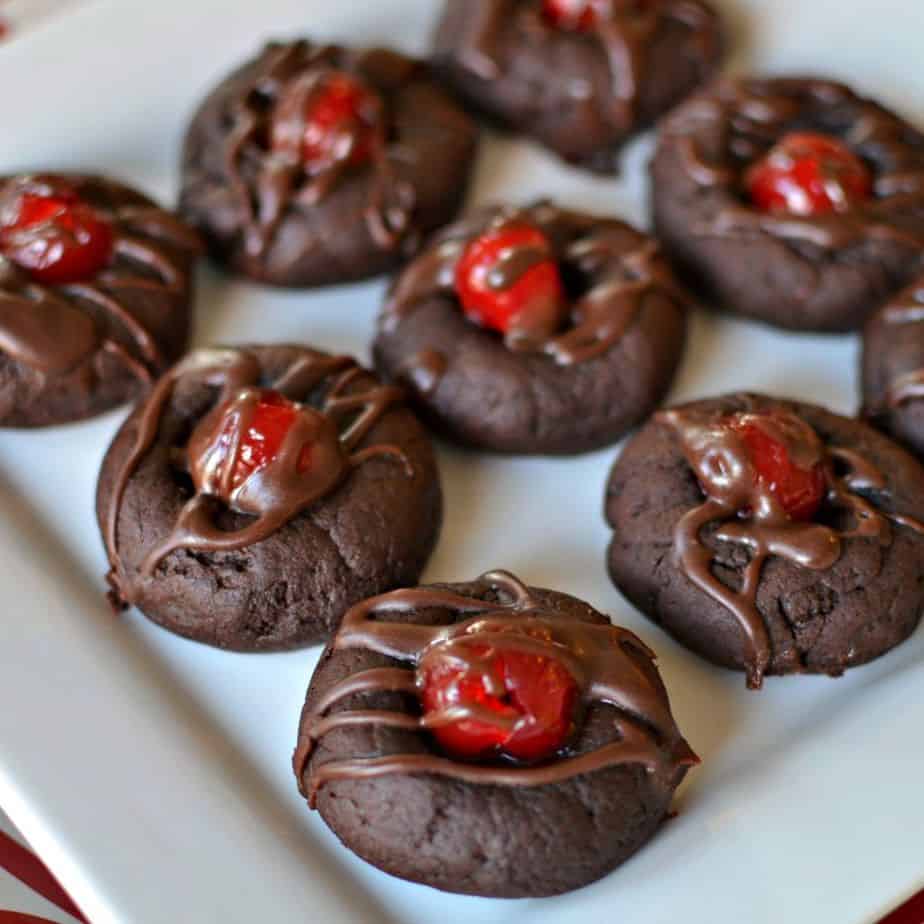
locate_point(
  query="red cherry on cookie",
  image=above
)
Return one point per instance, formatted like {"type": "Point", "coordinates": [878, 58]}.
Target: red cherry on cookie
{"type": "Point", "coordinates": [339, 124]}
{"type": "Point", "coordinates": [263, 435]}
{"type": "Point", "coordinates": [486, 296]}
{"type": "Point", "coordinates": [56, 238]}
{"type": "Point", "coordinates": [575, 15]}
{"type": "Point", "coordinates": [512, 702]}
{"type": "Point", "coordinates": [808, 174]}
{"type": "Point", "coordinates": [799, 491]}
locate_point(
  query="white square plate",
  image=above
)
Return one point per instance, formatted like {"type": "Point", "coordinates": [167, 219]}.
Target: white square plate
{"type": "Point", "coordinates": [153, 774]}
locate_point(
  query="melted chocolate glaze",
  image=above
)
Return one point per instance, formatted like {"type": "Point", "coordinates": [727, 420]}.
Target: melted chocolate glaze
{"type": "Point", "coordinates": [737, 121]}
{"type": "Point", "coordinates": [749, 514]}
{"type": "Point", "coordinates": [275, 95]}
{"type": "Point", "coordinates": [906, 311]}
{"type": "Point", "coordinates": [907, 387]}
{"type": "Point", "coordinates": [49, 328]}
{"type": "Point", "coordinates": [908, 308]}
{"type": "Point", "coordinates": [605, 661]}
{"type": "Point", "coordinates": [618, 268]}
{"type": "Point", "coordinates": [625, 30]}
{"type": "Point", "coordinates": [280, 490]}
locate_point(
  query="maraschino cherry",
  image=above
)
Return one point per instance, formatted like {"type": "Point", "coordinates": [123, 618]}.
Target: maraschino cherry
{"type": "Point", "coordinates": [575, 15]}
{"type": "Point", "coordinates": [799, 491]}
{"type": "Point", "coordinates": [492, 302]}
{"type": "Point", "coordinates": [520, 704]}
{"type": "Point", "coordinates": [808, 174]}
{"type": "Point", "coordinates": [259, 444]}
{"type": "Point", "coordinates": [339, 123]}
{"type": "Point", "coordinates": [54, 235]}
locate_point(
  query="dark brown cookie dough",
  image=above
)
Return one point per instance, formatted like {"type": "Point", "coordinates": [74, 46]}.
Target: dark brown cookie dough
{"type": "Point", "coordinates": [360, 517]}
{"type": "Point", "coordinates": [393, 796]}
{"type": "Point", "coordinates": [582, 94]}
{"type": "Point", "coordinates": [266, 218]}
{"type": "Point", "coordinates": [823, 273]}
{"type": "Point", "coordinates": [584, 385]}
{"type": "Point", "coordinates": [71, 351]}
{"type": "Point", "coordinates": [830, 594]}
{"type": "Point", "coordinates": [893, 368]}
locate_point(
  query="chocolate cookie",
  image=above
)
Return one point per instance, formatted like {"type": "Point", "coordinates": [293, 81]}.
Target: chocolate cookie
{"type": "Point", "coordinates": [534, 330]}
{"type": "Point", "coordinates": [580, 77]}
{"type": "Point", "coordinates": [95, 291]}
{"type": "Point", "coordinates": [259, 492]}
{"type": "Point", "coordinates": [314, 164]}
{"type": "Point", "coordinates": [893, 368]}
{"type": "Point", "coordinates": [793, 201]}
{"type": "Point", "coordinates": [769, 536]}
{"type": "Point", "coordinates": [489, 738]}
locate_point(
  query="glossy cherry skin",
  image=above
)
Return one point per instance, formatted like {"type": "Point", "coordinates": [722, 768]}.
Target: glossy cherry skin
{"type": "Point", "coordinates": [533, 697]}
{"type": "Point", "coordinates": [799, 491]}
{"type": "Point", "coordinates": [495, 308]}
{"type": "Point", "coordinates": [263, 436]}
{"type": "Point", "coordinates": [575, 15]}
{"type": "Point", "coordinates": [341, 112]}
{"type": "Point", "coordinates": [809, 174]}
{"type": "Point", "coordinates": [56, 238]}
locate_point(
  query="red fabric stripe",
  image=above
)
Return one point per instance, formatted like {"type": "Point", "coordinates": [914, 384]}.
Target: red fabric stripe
{"type": "Point", "coordinates": [15, 917]}
{"type": "Point", "coordinates": [912, 912]}
{"type": "Point", "coordinates": [25, 866]}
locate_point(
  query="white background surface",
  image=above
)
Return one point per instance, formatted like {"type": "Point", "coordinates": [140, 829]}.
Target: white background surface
{"type": "Point", "coordinates": [153, 774]}
{"type": "Point", "coordinates": [19, 16]}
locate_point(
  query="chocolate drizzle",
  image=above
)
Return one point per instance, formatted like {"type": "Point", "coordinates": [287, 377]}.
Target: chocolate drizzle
{"type": "Point", "coordinates": [273, 97]}
{"type": "Point", "coordinates": [55, 329]}
{"type": "Point", "coordinates": [605, 660]}
{"type": "Point", "coordinates": [625, 30]}
{"type": "Point", "coordinates": [907, 308]}
{"type": "Point", "coordinates": [617, 269]}
{"type": "Point", "coordinates": [720, 133]}
{"type": "Point", "coordinates": [909, 386]}
{"type": "Point", "coordinates": [748, 514]}
{"type": "Point", "coordinates": [277, 492]}
{"type": "Point", "coordinates": [905, 311]}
